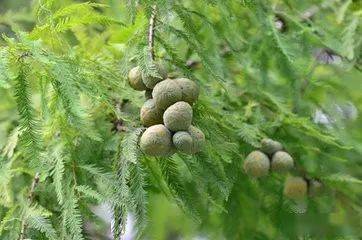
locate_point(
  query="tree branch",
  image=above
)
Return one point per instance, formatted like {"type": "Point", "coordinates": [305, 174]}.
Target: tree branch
{"type": "Point", "coordinates": [151, 32]}
{"type": "Point", "coordinates": [30, 199]}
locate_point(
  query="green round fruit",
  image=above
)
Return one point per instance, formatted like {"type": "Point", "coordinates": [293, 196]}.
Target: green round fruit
{"type": "Point", "coordinates": [183, 142]}
{"type": "Point", "coordinates": [135, 79]}
{"type": "Point", "coordinates": [150, 114]}
{"type": "Point", "coordinates": [166, 93]}
{"type": "Point", "coordinates": [282, 162]}
{"type": "Point", "coordinates": [198, 139]}
{"type": "Point", "coordinates": [151, 81]}
{"type": "Point", "coordinates": [178, 116]}
{"type": "Point", "coordinates": [156, 141]}
{"type": "Point", "coordinates": [256, 164]}
{"type": "Point", "coordinates": [190, 90]}
{"type": "Point", "coordinates": [295, 188]}
{"type": "Point", "coordinates": [270, 146]}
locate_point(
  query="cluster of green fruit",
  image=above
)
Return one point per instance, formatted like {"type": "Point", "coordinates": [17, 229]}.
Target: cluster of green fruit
{"type": "Point", "coordinates": [271, 156]}
{"type": "Point", "coordinates": [167, 113]}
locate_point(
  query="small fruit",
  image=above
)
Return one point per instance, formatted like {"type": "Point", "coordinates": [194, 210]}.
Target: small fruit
{"type": "Point", "coordinates": [256, 164]}
{"type": "Point", "coordinates": [178, 116]}
{"type": "Point", "coordinates": [198, 139]}
{"type": "Point", "coordinates": [166, 93]}
{"type": "Point", "coordinates": [183, 142]}
{"type": "Point", "coordinates": [156, 141]}
{"type": "Point", "coordinates": [295, 188]}
{"type": "Point", "coordinates": [270, 146]}
{"type": "Point", "coordinates": [282, 162]}
{"type": "Point", "coordinates": [150, 114]}
{"type": "Point", "coordinates": [190, 90]}
{"type": "Point", "coordinates": [135, 79]}
{"type": "Point", "coordinates": [151, 81]}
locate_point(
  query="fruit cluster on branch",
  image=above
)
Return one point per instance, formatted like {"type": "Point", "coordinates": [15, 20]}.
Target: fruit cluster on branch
{"type": "Point", "coordinates": [272, 157]}
{"type": "Point", "coordinates": [167, 113]}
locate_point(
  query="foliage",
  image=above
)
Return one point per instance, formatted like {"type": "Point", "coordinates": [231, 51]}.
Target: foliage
{"type": "Point", "coordinates": [67, 113]}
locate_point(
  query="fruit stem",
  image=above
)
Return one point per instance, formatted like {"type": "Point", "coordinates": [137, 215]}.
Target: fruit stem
{"type": "Point", "coordinates": [151, 32]}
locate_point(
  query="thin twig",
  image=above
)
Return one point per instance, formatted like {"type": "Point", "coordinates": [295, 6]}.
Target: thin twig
{"type": "Point", "coordinates": [151, 32]}
{"type": "Point", "coordinates": [30, 199]}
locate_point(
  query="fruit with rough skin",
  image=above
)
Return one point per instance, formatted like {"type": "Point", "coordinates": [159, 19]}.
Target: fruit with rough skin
{"type": "Point", "coordinates": [150, 114]}
{"type": "Point", "coordinates": [151, 81]}
{"type": "Point", "coordinates": [198, 139]}
{"type": "Point", "coordinates": [183, 142]}
{"type": "Point", "coordinates": [190, 90]}
{"type": "Point", "coordinates": [256, 164]}
{"type": "Point", "coordinates": [166, 93]}
{"type": "Point", "coordinates": [135, 79]}
{"type": "Point", "coordinates": [270, 146]}
{"type": "Point", "coordinates": [281, 162]}
{"type": "Point", "coordinates": [156, 141]}
{"type": "Point", "coordinates": [178, 116]}
{"type": "Point", "coordinates": [295, 188]}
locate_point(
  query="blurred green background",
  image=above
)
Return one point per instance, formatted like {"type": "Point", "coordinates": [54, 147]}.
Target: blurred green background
{"type": "Point", "coordinates": [166, 220]}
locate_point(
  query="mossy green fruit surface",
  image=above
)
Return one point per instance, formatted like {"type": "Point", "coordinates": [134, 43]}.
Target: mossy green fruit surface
{"type": "Point", "coordinates": [183, 142]}
{"type": "Point", "coordinates": [150, 114]}
{"type": "Point", "coordinates": [178, 116]}
{"type": "Point", "coordinates": [156, 141]}
{"type": "Point", "coordinates": [198, 138]}
{"type": "Point", "coordinates": [281, 162]}
{"type": "Point", "coordinates": [135, 79]}
{"type": "Point", "coordinates": [151, 81]}
{"type": "Point", "coordinates": [166, 93]}
{"type": "Point", "coordinates": [256, 164]}
{"type": "Point", "coordinates": [190, 90]}
{"type": "Point", "coordinates": [270, 146]}
{"type": "Point", "coordinates": [295, 188]}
